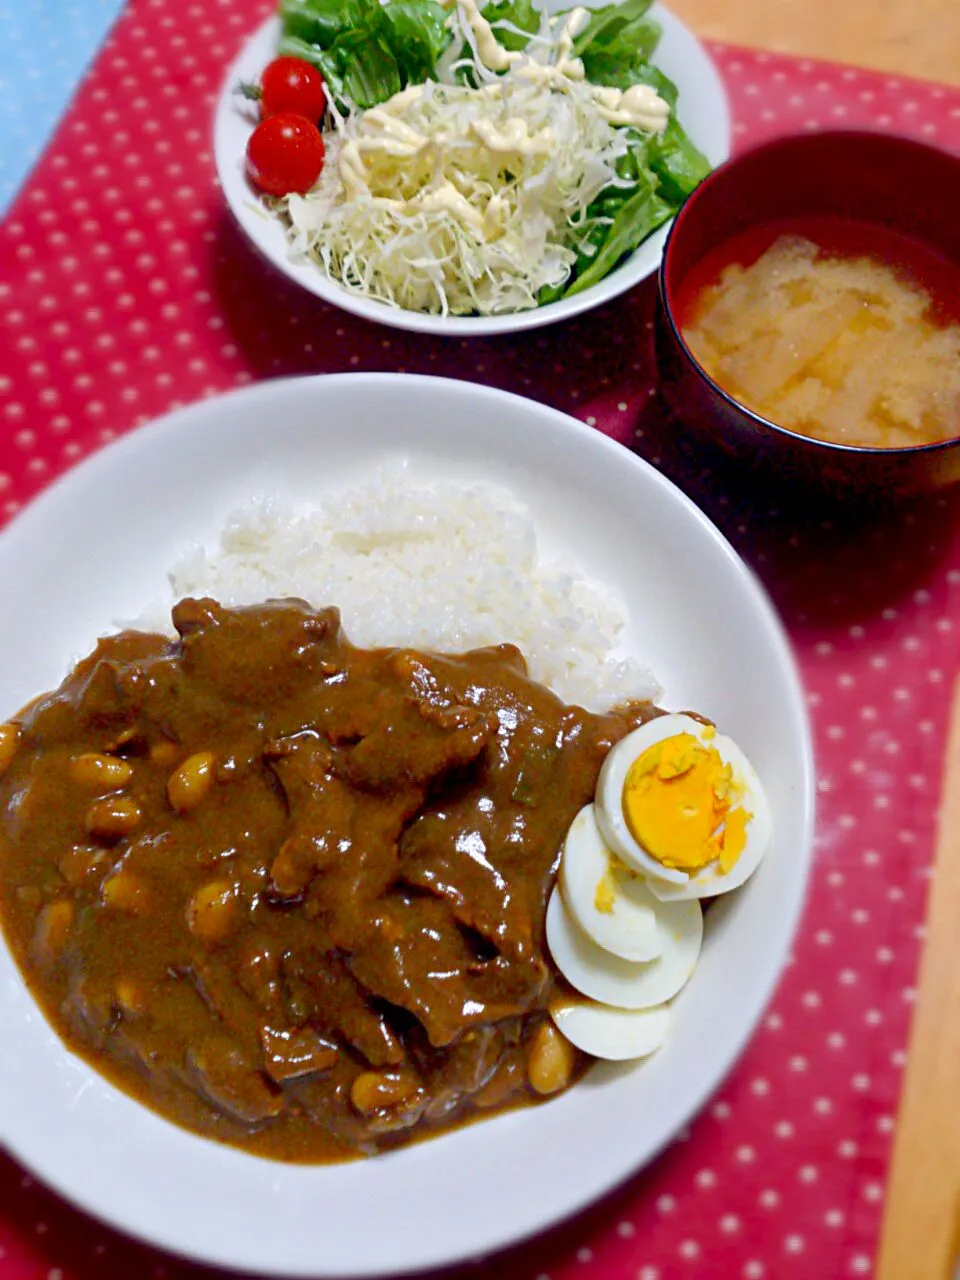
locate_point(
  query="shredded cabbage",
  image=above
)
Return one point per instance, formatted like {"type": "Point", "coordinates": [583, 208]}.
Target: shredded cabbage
{"type": "Point", "coordinates": [451, 199]}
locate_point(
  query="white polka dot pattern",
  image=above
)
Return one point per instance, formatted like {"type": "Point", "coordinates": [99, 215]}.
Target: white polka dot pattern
{"type": "Point", "coordinates": [125, 291]}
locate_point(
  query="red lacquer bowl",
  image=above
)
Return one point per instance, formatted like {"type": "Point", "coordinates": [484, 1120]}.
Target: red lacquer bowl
{"type": "Point", "coordinates": [891, 182]}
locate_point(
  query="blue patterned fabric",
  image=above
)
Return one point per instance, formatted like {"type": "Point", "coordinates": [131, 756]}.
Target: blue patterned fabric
{"type": "Point", "coordinates": [45, 47]}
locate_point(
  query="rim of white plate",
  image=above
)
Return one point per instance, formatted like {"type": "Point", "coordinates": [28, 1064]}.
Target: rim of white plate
{"type": "Point", "coordinates": [499, 1181]}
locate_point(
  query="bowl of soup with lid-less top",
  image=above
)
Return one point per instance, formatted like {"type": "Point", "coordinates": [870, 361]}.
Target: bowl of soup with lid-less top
{"type": "Point", "coordinates": [809, 316]}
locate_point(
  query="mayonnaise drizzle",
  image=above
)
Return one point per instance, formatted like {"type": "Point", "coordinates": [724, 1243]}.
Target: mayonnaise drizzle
{"type": "Point", "coordinates": [640, 106]}
{"type": "Point", "coordinates": [381, 131]}
{"type": "Point", "coordinates": [512, 138]}
{"type": "Point", "coordinates": [353, 172]}
{"type": "Point", "coordinates": [387, 122]}
{"type": "Point", "coordinates": [489, 50]}
{"type": "Point", "coordinates": [575, 22]}
{"type": "Point", "coordinates": [445, 198]}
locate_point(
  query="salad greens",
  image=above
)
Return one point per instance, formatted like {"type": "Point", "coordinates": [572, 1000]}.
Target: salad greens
{"type": "Point", "coordinates": [368, 50]}
{"type": "Point", "coordinates": [523, 14]}
{"type": "Point", "coordinates": [625, 217]}
{"type": "Point", "coordinates": [617, 40]}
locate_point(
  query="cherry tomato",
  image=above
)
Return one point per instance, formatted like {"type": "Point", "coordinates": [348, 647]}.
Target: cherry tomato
{"type": "Point", "coordinates": [285, 154]}
{"type": "Point", "coordinates": [290, 84]}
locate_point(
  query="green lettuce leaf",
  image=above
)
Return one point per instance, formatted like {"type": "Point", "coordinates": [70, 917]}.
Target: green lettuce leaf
{"type": "Point", "coordinates": [676, 162]}
{"type": "Point", "coordinates": [360, 66]}
{"type": "Point", "coordinates": [616, 38]}
{"type": "Point", "coordinates": [417, 36]}
{"type": "Point", "coordinates": [616, 46]}
{"type": "Point", "coordinates": [649, 74]}
{"type": "Point", "coordinates": [318, 22]}
{"type": "Point", "coordinates": [366, 51]}
{"type": "Point", "coordinates": [519, 13]}
{"type": "Point", "coordinates": [636, 218]}
{"type": "Point", "coordinates": [622, 217]}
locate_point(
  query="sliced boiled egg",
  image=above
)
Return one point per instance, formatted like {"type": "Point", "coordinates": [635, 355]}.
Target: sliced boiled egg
{"type": "Point", "coordinates": [681, 803]}
{"type": "Point", "coordinates": [608, 900]}
{"type": "Point", "coordinates": [614, 1034]}
{"type": "Point", "coordinates": [627, 984]}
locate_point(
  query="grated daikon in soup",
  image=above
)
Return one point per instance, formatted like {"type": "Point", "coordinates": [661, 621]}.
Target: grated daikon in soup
{"type": "Point", "coordinates": [842, 348]}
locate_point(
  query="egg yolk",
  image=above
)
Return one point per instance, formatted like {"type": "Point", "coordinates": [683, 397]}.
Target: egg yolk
{"type": "Point", "coordinates": [682, 806]}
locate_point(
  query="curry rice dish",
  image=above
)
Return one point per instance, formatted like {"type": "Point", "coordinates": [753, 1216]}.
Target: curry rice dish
{"type": "Point", "coordinates": [291, 893]}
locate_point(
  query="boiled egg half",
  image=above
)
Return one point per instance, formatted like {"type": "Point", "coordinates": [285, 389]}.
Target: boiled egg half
{"type": "Point", "coordinates": [627, 984]}
{"type": "Point", "coordinates": [680, 803]}
{"type": "Point", "coordinates": [607, 899]}
{"type": "Point", "coordinates": [624, 951]}
{"type": "Point", "coordinates": [614, 1034]}
{"type": "Point", "coordinates": [679, 815]}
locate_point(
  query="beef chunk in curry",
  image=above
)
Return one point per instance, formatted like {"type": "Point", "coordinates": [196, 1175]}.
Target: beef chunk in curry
{"type": "Point", "coordinates": [291, 893]}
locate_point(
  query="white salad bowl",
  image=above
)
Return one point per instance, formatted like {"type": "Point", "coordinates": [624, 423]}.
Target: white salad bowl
{"type": "Point", "coordinates": [696, 614]}
{"type": "Point", "coordinates": [702, 109]}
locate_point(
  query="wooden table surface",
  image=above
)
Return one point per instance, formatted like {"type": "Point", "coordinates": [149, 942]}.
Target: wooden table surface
{"type": "Point", "coordinates": [910, 37]}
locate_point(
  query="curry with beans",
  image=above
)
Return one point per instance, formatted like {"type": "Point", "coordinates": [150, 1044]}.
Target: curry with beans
{"type": "Point", "coordinates": [291, 893]}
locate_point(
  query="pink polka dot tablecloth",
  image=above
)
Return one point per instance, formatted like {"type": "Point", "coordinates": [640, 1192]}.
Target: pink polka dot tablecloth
{"type": "Point", "coordinates": [126, 291]}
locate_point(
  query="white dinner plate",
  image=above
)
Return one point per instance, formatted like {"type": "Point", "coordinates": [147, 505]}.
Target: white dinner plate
{"type": "Point", "coordinates": [96, 547]}
{"type": "Point", "coordinates": [702, 109]}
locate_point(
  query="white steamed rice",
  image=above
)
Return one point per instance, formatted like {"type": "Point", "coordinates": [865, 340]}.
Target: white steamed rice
{"type": "Point", "coordinates": [446, 569]}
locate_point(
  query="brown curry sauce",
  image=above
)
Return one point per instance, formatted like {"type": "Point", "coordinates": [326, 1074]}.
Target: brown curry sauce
{"type": "Point", "coordinates": [291, 893]}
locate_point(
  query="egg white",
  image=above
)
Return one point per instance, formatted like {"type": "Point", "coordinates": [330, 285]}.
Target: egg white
{"type": "Point", "coordinates": [668, 883]}
{"type": "Point", "coordinates": [627, 984]}
{"type": "Point", "coordinates": [629, 928]}
{"type": "Point", "coordinates": [614, 1034]}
